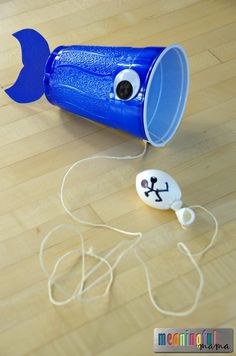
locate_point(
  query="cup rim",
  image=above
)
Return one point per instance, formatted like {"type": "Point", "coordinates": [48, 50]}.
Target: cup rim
{"type": "Point", "coordinates": [184, 62]}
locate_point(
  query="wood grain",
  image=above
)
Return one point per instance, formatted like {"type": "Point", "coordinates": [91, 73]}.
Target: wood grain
{"type": "Point", "coordinates": [39, 142]}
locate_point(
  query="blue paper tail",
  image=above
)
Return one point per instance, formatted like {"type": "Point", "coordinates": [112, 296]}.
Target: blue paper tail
{"type": "Point", "coordinates": [35, 51]}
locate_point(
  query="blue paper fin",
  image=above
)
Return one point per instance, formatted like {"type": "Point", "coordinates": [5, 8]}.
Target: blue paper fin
{"type": "Point", "coordinates": [35, 51]}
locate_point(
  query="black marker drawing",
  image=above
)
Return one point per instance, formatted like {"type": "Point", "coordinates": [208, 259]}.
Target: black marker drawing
{"type": "Point", "coordinates": [153, 180]}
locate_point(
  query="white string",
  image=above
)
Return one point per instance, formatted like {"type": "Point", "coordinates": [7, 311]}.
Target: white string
{"type": "Point", "coordinates": [198, 292]}
{"type": "Point", "coordinates": [80, 288]}
{"type": "Point", "coordinates": [67, 210]}
{"type": "Point", "coordinates": [203, 251]}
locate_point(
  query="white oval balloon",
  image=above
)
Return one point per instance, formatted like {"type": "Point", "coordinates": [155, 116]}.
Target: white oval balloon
{"type": "Point", "coordinates": [158, 189]}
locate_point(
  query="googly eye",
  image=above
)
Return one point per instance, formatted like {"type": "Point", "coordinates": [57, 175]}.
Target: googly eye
{"type": "Point", "coordinates": [126, 84]}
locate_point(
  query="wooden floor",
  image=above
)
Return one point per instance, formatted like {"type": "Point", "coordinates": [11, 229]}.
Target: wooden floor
{"type": "Point", "coordinates": [39, 142]}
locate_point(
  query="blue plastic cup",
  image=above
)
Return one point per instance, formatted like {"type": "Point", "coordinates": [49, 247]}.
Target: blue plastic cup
{"type": "Point", "coordinates": [142, 91]}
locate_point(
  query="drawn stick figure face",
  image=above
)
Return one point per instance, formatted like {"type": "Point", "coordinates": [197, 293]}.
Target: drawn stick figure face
{"type": "Point", "coordinates": [157, 189]}
{"type": "Point", "coordinates": [153, 189]}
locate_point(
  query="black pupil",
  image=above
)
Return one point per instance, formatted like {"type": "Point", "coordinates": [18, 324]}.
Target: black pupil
{"type": "Point", "coordinates": [124, 89]}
